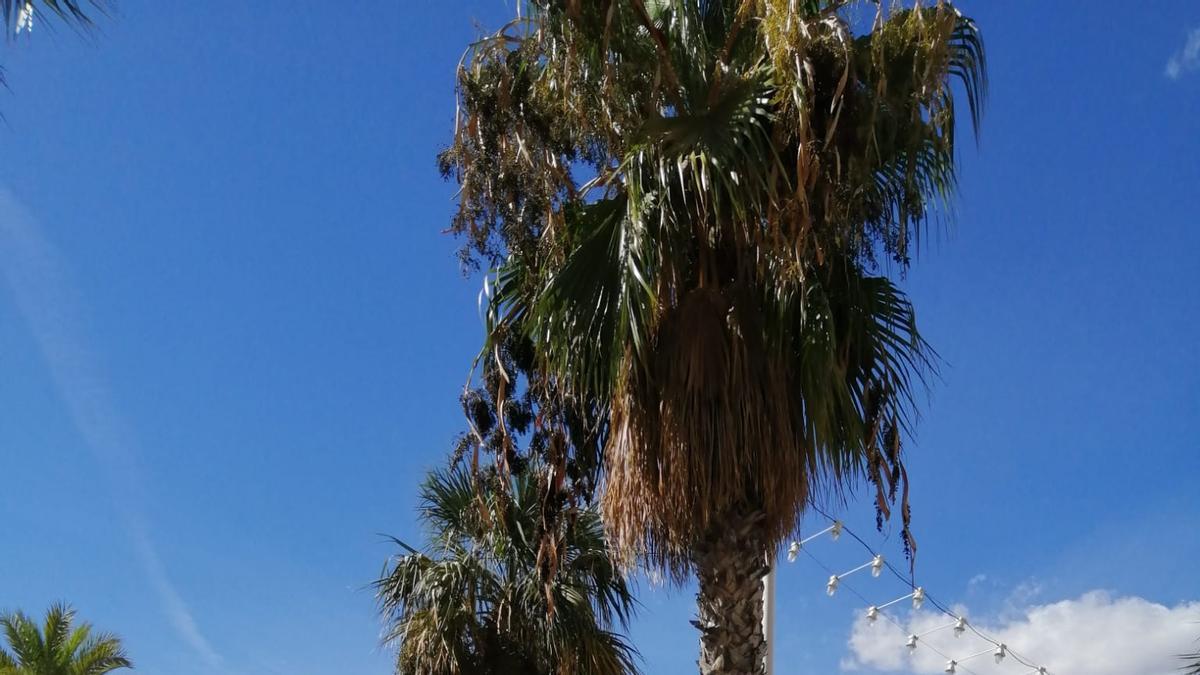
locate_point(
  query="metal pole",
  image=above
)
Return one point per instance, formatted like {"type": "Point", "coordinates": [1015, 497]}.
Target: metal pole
{"type": "Point", "coordinates": [769, 614]}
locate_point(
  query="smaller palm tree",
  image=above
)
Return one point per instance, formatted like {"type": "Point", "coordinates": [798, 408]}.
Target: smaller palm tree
{"type": "Point", "coordinates": [477, 601]}
{"type": "Point", "coordinates": [57, 647]}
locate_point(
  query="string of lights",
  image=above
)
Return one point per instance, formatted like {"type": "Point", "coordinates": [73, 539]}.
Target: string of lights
{"type": "Point", "coordinates": [913, 640]}
{"type": "Point", "coordinates": [918, 595]}
{"type": "Point", "coordinates": [1028, 663]}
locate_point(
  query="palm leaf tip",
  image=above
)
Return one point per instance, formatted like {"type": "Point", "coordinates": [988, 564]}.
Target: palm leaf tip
{"type": "Point", "coordinates": [22, 15]}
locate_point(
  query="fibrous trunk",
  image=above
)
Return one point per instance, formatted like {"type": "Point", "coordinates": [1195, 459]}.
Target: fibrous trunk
{"type": "Point", "coordinates": [730, 567]}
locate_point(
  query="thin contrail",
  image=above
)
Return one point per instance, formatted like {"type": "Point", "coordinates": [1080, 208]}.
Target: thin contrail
{"type": "Point", "coordinates": [40, 284]}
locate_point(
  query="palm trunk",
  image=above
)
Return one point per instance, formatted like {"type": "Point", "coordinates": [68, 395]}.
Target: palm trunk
{"type": "Point", "coordinates": [730, 567]}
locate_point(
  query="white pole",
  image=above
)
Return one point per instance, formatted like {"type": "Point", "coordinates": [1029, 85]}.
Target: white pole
{"type": "Point", "coordinates": [769, 614]}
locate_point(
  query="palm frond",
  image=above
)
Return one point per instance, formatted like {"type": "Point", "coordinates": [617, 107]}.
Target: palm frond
{"type": "Point", "coordinates": [23, 637]}
{"type": "Point", "coordinates": [100, 654]}
{"type": "Point", "coordinates": [56, 629]}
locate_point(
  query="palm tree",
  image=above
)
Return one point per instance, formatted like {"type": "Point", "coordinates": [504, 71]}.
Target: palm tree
{"type": "Point", "coordinates": [58, 647]}
{"type": "Point", "coordinates": [696, 208]}
{"type": "Point", "coordinates": [475, 601]}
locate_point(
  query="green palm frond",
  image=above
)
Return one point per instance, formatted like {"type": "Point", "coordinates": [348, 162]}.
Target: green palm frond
{"type": "Point", "coordinates": [56, 629]}
{"type": "Point", "coordinates": [23, 637]}
{"type": "Point", "coordinates": [100, 654]}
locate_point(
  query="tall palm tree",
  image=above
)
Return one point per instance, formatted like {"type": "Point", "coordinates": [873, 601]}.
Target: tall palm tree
{"type": "Point", "coordinates": [696, 208]}
{"type": "Point", "coordinates": [58, 646]}
{"type": "Point", "coordinates": [475, 603]}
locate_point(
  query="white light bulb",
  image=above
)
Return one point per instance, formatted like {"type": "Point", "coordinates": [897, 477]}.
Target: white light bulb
{"type": "Point", "coordinates": [952, 666]}
{"type": "Point", "coordinates": [1000, 652]}
{"type": "Point", "coordinates": [918, 597]}
{"type": "Point", "coordinates": [960, 626]}
{"type": "Point", "coordinates": [912, 642]}
{"type": "Point", "coordinates": [793, 551]}
{"type": "Point", "coordinates": [832, 586]}
{"type": "Point", "coordinates": [876, 566]}
{"type": "Point", "coordinates": [836, 530]}
{"type": "Point", "coordinates": [872, 614]}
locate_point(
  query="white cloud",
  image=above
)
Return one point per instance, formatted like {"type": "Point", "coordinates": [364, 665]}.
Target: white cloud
{"type": "Point", "coordinates": [1186, 59]}
{"type": "Point", "coordinates": [1096, 634]}
{"type": "Point", "coordinates": [38, 278]}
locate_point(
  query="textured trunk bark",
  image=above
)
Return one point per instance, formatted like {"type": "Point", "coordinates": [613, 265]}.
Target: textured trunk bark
{"type": "Point", "coordinates": [730, 567]}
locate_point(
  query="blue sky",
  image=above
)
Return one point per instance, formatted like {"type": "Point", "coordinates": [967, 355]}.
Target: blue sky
{"type": "Point", "coordinates": [233, 334]}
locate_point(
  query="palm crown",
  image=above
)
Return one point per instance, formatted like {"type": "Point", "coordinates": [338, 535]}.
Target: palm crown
{"type": "Point", "coordinates": [476, 600]}
{"type": "Point", "coordinates": [716, 276]}
{"type": "Point", "coordinates": [58, 646]}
